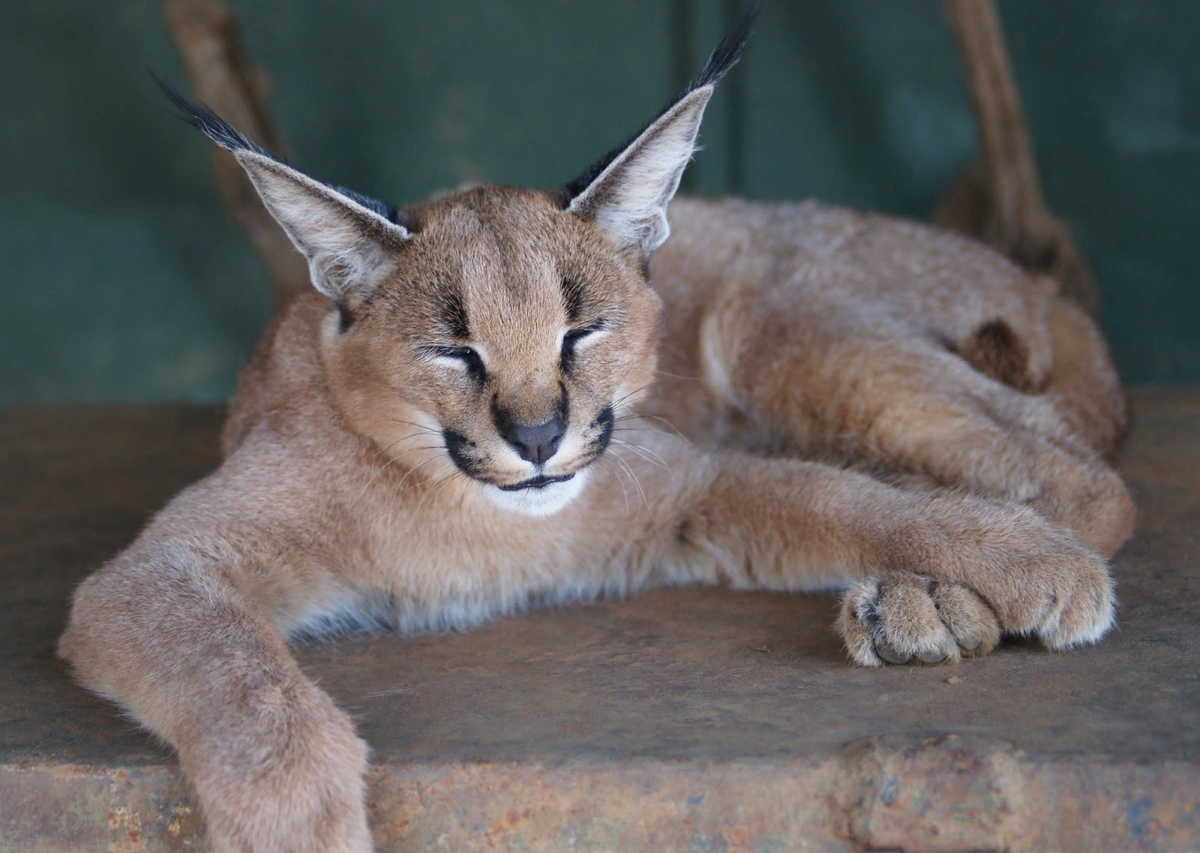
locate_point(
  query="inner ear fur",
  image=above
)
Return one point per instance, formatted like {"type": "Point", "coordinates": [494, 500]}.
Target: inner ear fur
{"type": "Point", "coordinates": [629, 198]}
{"type": "Point", "coordinates": [349, 247]}
{"type": "Point", "coordinates": [347, 238]}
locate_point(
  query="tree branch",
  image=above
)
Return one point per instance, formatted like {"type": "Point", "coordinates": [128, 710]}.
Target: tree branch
{"type": "Point", "coordinates": [999, 200]}
{"type": "Point", "coordinates": [205, 34]}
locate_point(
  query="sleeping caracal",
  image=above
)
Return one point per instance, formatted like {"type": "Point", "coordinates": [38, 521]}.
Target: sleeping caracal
{"type": "Point", "coordinates": [502, 395]}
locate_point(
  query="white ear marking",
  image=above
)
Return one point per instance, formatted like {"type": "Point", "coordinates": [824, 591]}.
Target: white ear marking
{"type": "Point", "coordinates": [346, 243]}
{"type": "Point", "coordinates": [629, 198]}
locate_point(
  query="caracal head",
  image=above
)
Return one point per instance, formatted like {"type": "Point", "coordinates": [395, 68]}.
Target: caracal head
{"type": "Point", "coordinates": [494, 334]}
{"type": "Point", "coordinates": [505, 341]}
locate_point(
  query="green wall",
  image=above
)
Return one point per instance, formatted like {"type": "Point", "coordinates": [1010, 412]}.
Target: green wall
{"type": "Point", "coordinates": [124, 280]}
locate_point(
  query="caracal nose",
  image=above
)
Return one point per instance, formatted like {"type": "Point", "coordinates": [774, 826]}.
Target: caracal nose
{"type": "Point", "coordinates": [535, 442]}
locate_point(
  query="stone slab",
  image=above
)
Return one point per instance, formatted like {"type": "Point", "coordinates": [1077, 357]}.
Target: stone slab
{"type": "Point", "coordinates": [688, 719]}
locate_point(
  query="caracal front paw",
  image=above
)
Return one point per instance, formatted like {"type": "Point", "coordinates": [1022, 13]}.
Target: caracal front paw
{"type": "Point", "coordinates": [1064, 599]}
{"type": "Point", "coordinates": [903, 617]}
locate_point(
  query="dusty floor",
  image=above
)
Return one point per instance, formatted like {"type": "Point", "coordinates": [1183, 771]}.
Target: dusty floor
{"type": "Point", "coordinates": [679, 720]}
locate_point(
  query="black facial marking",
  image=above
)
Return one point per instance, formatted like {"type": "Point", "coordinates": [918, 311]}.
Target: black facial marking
{"type": "Point", "coordinates": [570, 339]}
{"type": "Point", "coordinates": [454, 313]}
{"type": "Point", "coordinates": [539, 482]}
{"type": "Point", "coordinates": [572, 290]}
{"type": "Point", "coordinates": [475, 367]}
{"type": "Point", "coordinates": [474, 364]}
{"type": "Point", "coordinates": [468, 356]}
{"type": "Point", "coordinates": [567, 356]}
{"type": "Point", "coordinates": [500, 418]}
{"type": "Point", "coordinates": [605, 421]}
{"type": "Point", "coordinates": [456, 446]}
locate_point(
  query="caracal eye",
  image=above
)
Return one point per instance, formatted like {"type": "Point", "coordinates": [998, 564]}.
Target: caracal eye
{"type": "Point", "coordinates": [572, 338]}
{"type": "Point", "coordinates": [460, 357]}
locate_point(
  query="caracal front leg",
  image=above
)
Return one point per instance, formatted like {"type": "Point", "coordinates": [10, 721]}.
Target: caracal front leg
{"type": "Point", "coordinates": [162, 632]}
{"type": "Point", "coordinates": [934, 575]}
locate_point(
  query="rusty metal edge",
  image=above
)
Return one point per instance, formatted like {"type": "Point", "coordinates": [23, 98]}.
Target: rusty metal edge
{"type": "Point", "coordinates": [943, 794]}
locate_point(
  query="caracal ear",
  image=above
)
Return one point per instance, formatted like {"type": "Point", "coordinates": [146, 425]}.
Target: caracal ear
{"type": "Point", "coordinates": [347, 238]}
{"type": "Point", "coordinates": [626, 192]}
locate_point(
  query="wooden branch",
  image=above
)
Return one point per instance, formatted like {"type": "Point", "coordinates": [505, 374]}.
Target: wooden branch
{"type": "Point", "coordinates": [999, 200]}
{"type": "Point", "coordinates": [206, 36]}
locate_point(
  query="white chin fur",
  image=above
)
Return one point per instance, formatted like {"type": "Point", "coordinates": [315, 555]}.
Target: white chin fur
{"type": "Point", "coordinates": [539, 502]}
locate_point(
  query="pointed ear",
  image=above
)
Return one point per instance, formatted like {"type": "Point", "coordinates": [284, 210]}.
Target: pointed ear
{"type": "Point", "coordinates": [629, 198]}
{"type": "Point", "coordinates": [627, 192]}
{"type": "Point", "coordinates": [348, 246]}
{"type": "Point", "coordinates": [347, 238]}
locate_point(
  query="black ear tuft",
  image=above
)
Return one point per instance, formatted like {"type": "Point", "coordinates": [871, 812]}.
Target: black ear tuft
{"type": "Point", "coordinates": [727, 54]}
{"type": "Point", "coordinates": [228, 137]}
{"type": "Point", "coordinates": [210, 124]}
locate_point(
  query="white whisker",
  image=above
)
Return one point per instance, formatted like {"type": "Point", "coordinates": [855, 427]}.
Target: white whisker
{"type": "Point", "coordinates": [637, 484]}
{"type": "Point", "coordinates": [678, 376]}
{"type": "Point", "coordinates": [392, 502]}
{"type": "Point", "coordinates": [395, 458]}
{"type": "Point", "coordinates": [433, 488]}
{"type": "Point", "coordinates": [427, 429]}
{"type": "Point", "coordinates": [648, 417]}
{"type": "Point", "coordinates": [647, 454]}
{"type": "Point", "coordinates": [617, 474]}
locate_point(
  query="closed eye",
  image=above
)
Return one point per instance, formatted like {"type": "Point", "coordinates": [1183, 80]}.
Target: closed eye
{"type": "Point", "coordinates": [572, 337]}
{"type": "Point", "coordinates": [464, 356]}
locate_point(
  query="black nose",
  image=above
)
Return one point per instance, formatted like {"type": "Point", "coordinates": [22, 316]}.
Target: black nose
{"type": "Point", "coordinates": [535, 442]}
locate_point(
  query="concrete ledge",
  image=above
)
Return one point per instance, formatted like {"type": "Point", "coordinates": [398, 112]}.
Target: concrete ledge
{"type": "Point", "coordinates": [691, 719]}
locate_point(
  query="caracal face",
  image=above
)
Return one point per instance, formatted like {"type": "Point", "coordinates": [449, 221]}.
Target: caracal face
{"type": "Point", "coordinates": [501, 348]}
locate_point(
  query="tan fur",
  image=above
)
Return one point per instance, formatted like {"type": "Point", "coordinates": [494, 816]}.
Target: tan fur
{"type": "Point", "coordinates": [833, 399]}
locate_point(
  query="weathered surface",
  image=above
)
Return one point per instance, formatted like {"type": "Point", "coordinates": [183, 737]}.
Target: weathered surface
{"type": "Point", "coordinates": [680, 720]}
